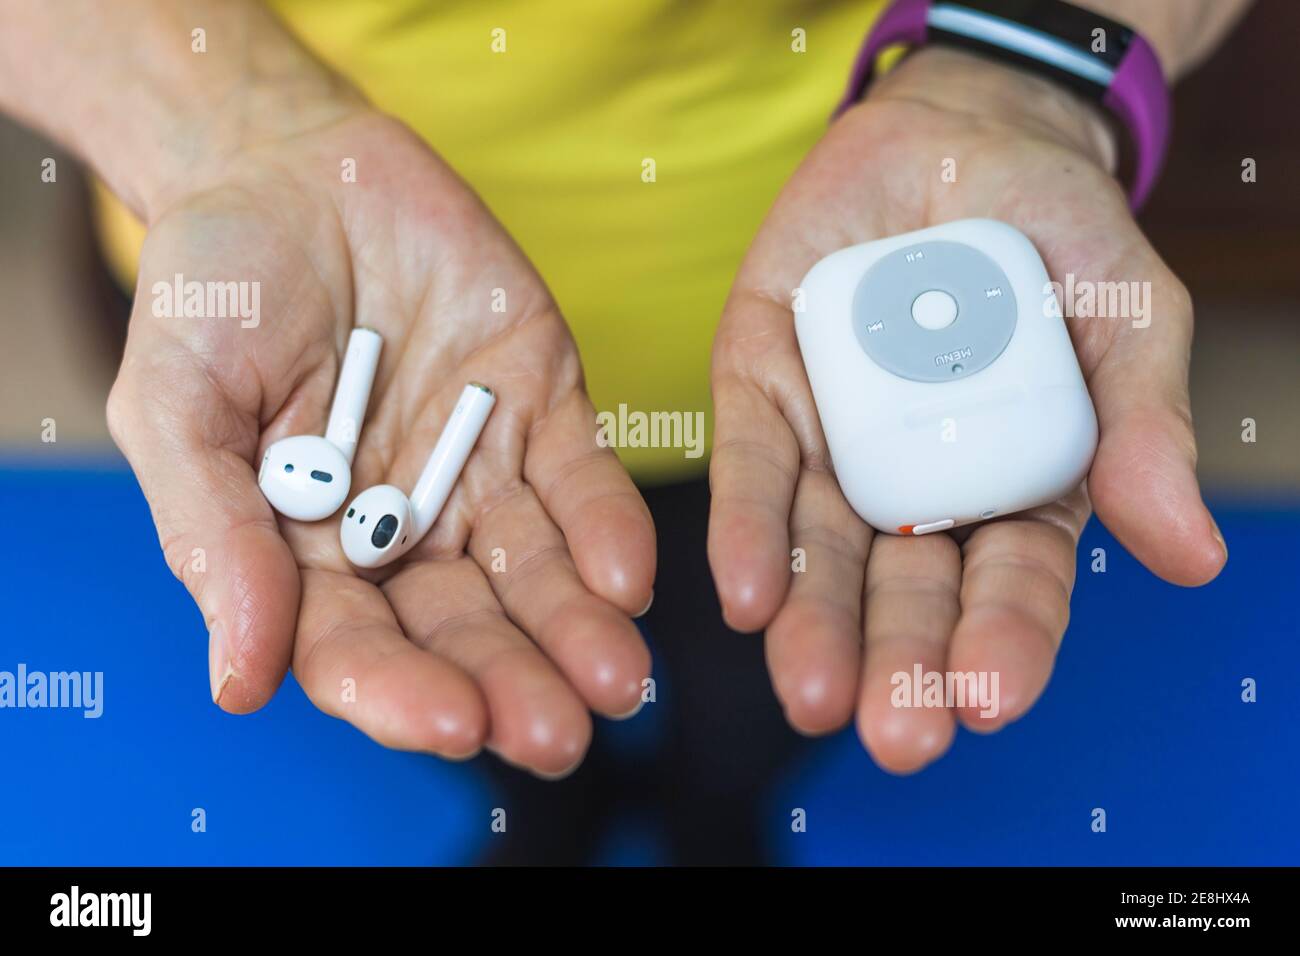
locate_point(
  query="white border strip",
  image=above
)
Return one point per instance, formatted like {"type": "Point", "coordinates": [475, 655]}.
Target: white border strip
{"type": "Point", "coordinates": [1008, 35]}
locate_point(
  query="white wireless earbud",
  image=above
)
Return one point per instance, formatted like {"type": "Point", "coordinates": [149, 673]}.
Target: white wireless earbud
{"type": "Point", "coordinates": [307, 477]}
{"type": "Point", "coordinates": [381, 523]}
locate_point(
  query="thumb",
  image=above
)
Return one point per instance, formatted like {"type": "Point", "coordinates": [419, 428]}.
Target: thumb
{"type": "Point", "coordinates": [191, 448]}
{"type": "Point", "coordinates": [1143, 481]}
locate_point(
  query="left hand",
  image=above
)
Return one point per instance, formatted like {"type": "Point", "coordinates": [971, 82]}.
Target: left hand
{"type": "Point", "coordinates": [995, 598]}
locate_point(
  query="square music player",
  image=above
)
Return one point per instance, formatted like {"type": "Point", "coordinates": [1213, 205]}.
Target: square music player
{"type": "Point", "coordinates": [945, 380]}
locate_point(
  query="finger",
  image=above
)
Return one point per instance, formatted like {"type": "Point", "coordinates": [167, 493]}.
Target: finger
{"type": "Point", "coordinates": [911, 605]}
{"type": "Point", "coordinates": [190, 447]}
{"type": "Point", "coordinates": [588, 493]}
{"type": "Point", "coordinates": [593, 643]}
{"type": "Point", "coordinates": [536, 719]}
{"type": "Point", "coordinates": [1015, 597]}
{"type": "Point", "coordinates": [766, 428]}
{"type": "Point", "coordinates": [814, 644]}
{"type": "Point", "coordinates": [752, 476]}
{"type": "Point", "coordinates": [1143, 480]}
{"type": "Point", "coordinates": [354, 662]}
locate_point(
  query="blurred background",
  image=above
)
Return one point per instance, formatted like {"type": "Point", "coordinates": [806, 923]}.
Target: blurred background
{"type": "Point", "coordinates": [1144, 716]}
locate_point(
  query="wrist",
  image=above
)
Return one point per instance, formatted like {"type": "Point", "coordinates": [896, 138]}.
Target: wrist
{"type": "Point", "coordinates": [264, 90]}
{"type": "Point", "coordinates": [200, 143]}
{"type": "Point", "coordinates": [966, 84]}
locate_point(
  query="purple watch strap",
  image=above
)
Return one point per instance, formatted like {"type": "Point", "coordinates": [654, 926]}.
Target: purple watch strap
{"type": "Point", "coordinates": [902, 22]}
{"type": "Point", "coordinates": [1139, 97]}
{"type": "Point", "coordinates": [1137, 94]}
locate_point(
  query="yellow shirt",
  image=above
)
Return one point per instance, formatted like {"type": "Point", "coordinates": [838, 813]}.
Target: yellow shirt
{"type": "Point", "coordinates": [557, 130]}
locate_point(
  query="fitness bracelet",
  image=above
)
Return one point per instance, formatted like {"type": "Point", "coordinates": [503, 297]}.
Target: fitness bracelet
{"type": "Point", "coordinates": [1094, 55]}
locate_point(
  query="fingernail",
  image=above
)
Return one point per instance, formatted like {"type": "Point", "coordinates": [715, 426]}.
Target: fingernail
{"type": "Point", "coordinates": [558, 775]}
{"type": "Point", "coordinates": [640, 702]}
{"type": "Point", "coordinates": [646, 610]}
{"type": "Point", "coordinates": [1218, 536]}
{"type": "Point", "coordinates": [539, 774]}
{"type": "Point", "coordinates": [219, 669]}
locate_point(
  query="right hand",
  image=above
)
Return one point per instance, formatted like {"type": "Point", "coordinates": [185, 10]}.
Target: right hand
{"type": "Point", "coordinates": [447, 654]}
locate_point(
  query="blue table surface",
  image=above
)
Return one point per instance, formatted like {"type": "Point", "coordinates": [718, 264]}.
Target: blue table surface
{"type": "Point", "coordinates": [1143, 718]}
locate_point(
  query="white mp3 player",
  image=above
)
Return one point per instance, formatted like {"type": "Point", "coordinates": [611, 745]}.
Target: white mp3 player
{"type": "Point", "coordinates": [945, 380]}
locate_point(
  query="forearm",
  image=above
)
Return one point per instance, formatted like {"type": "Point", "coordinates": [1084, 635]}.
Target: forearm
{"type": "Point", "coordinates": [1183, 32]}
{"type": "Point", "coordinates": [122, 86]}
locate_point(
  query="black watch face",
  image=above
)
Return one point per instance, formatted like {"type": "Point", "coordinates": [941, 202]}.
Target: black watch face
{"type": "Point", "coordinates": [1078, 46]}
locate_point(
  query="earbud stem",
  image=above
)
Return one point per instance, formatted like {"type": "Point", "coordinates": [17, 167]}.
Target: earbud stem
{"type": "Point", "coordinates": [449, 456]}
{"type": "Point", "coordinates": [352, 394]}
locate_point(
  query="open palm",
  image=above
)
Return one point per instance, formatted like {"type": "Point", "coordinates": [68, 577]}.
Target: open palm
{"type": "Point", "coordinates": [995, 599]}
{"type": "Point", "coordinates": [513, 617]}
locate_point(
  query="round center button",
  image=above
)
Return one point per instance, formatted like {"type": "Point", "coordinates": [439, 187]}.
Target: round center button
{"type": "Point", "coordinates": [934, 310]}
